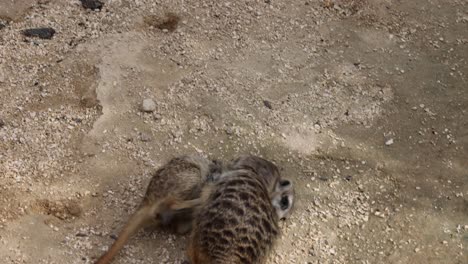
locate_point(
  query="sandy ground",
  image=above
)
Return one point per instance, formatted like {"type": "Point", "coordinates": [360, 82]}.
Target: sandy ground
{"type": "Point", "coordinates": [363, 104]}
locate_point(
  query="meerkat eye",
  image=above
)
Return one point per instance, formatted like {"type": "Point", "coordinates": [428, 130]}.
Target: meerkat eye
{"type": "Point", "coordinates": [285, 183]}
{"type": "Point", "coordinates": [284, 203]}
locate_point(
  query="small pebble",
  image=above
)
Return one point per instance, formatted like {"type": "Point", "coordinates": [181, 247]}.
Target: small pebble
{"type": "Point", "coordinates": [267, 104]}
{"type": "Point", "coordinates": [43, 33]}
{"type": "Point", "coordinates": [145, 137]}
{"type": "Point", "coordinates": [323, 178]}
{"type": "Point", "coordinates": [148, 105]}
{"type": "Point", "coordinates": [389, 142]}
{"type": "Point", "coordinates": [229, 131]}
{"type": "Point", "coordinates": [379, 214]}
{"type": "Point", "coordinates": [92, 4]}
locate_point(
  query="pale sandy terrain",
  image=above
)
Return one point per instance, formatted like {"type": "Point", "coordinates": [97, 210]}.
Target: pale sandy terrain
{"type": "Point", "coordinates": [363, 104]}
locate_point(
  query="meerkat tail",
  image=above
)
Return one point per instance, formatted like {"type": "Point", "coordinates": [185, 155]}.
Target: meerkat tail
{"type": "Point", "coordinates": [189, 204]}
{"type": "Point", "coordinates": [138, 220]}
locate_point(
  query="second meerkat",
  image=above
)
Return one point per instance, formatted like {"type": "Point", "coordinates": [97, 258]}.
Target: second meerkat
{"type": "Point", "coordinates": [173, 194]}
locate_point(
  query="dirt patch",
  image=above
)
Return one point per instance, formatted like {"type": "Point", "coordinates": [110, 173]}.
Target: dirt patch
{"type": "Point", "coordinates": [85, 84]}
{"type": "Point", "coordinates": [63, 209]}
{"type": "Point", "coordinates": [14, 10]}
{"type": "Point", "coordinates": [169, 22]}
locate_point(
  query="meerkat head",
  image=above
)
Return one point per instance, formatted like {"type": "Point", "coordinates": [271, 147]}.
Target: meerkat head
{"type": "Point", "coordinates": [283, 199]}
{"type": "Point", "coordinates": [267, 170]}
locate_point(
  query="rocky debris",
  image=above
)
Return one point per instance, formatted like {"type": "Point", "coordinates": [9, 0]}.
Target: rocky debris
{"type": "Point", "coordinates": [145, 137]}
{"type": "Point", "coordinates": [92, 4]}
{"type": "Point", "coordinates": [2, 25]}
{"type": "Point", "coordinates": [43, 33]}
{"type": "Point", "coordinates": [79, 234]}
{"type": "Point", "coordinates": [2, 123]}
{"type": "Point", "coordinates": [148, 105]}
{"type": "Point", "coordinates": [267, 104]}
{"type": "Point", "coordinates": [229, 130]}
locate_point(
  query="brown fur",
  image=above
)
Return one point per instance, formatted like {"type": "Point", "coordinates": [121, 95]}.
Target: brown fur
{"type": "Point", "coordinates": [238, 224]}
{"type": "Point", "coordinates": [173, 194]}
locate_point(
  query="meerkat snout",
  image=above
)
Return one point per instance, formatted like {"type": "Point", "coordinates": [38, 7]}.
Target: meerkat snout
{"type": "Point", "coordinates": [284, 203]}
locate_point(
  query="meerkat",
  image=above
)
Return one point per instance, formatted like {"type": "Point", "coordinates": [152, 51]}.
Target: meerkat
{"type": "Point", "coordinates": [172, 195]}
{"type": "Point", "coordinates": [239, 221]}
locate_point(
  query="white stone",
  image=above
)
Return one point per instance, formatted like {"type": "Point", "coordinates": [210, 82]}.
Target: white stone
{"type": "Point", "coordinates": [389, 142]}
{"type": "Point", "coordinates": [148, 105]}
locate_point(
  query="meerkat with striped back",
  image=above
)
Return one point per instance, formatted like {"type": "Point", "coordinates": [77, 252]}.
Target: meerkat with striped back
{"type": "Point", "coordinates": [239, 221]}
